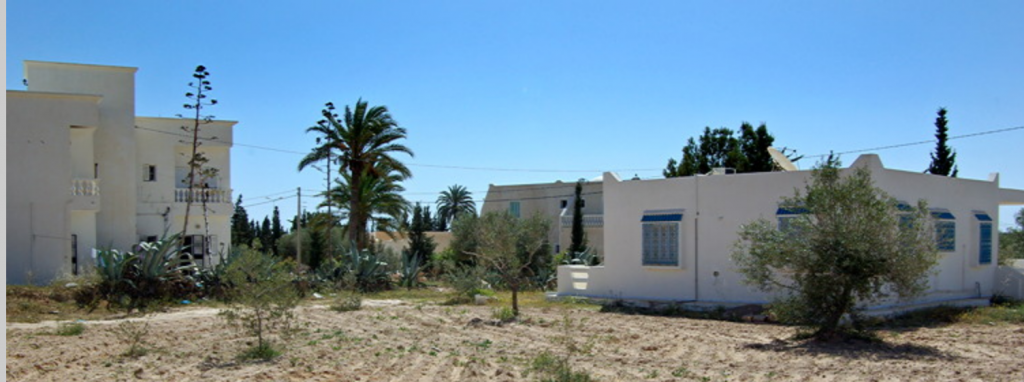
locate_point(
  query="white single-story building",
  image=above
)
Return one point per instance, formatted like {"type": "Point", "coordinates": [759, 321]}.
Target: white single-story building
{"type": "Point", "coordinates": [671, 240]}
{"type": "Point", "coordinates": [84, 172]}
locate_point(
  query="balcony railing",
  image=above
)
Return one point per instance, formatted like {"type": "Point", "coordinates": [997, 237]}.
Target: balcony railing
{"type": "Point", "coordinates": [588, 221]}
{"type": "Point", "coordinates": [199, 195]}
{"type": "Point", "coordinates": [85, 187]}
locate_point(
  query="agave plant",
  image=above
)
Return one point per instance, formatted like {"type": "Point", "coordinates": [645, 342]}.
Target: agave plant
{"type": "Point", "coordinates": [369, 271]}
{"type": "Point", "coordinates": [410, 270]}
{"type": "Point", "coordinates": [163, 260]}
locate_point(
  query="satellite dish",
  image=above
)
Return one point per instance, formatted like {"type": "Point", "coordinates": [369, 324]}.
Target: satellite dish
{"type": "Point", "coordinates": [780, 159]}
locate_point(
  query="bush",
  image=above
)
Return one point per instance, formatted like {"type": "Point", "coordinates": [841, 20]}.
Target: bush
{"type": "Point", "coordinates": [467, 281]}
{"type": "Point", "coordinates": [69, 329]}
{"type": "Point", "coordinates": [347, 303]}
{"type": "Point", "coordinates": [503, 314]}
{"type": "Point", "coordinates": [134, 280]}
{"type": "Point", "coordinates": [262, 299]}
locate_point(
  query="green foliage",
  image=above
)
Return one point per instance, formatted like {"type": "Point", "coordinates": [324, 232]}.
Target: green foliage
{"type": "Point", "coordinates": [455, 201]}
{"type": "Point", "coordinates": [379, 195]}
{"type": "Point", "coordinates": [410, 271]}
{"type": "Point", "coordinates": [578, 238]}
{"type": "Point", "coordinates": [467, 281]}
{"type": "Point", "coordinates": [421, 247]}
{"type": "Point", "coordinates": [70, 329]}
{"type": "Point", "coordinates": [721, 148]}
{"type": "Point", "coordinates": [133, 280]}
{"type": "Point", "coordinates": [365, 268]}
{"type": "Point", "coordinates": [503, 314]}
{"type": "Point", "coordinates": [511, 247]}
{"type": "Point", "coordinates": [943, 158]}
{"type": "Point", "coordinates": [362, 143]}
{"type": "Point", "coordinates": [262, 299]}
{"type": "Point", "coordinates": [135, 335]}
{"type": "Point", "coordinates": [559, 368]}
{"type": "Point", "coordinates": [852, 245]}
{"type": "Point", "coordinates": [260, 351]}
{"type": "Point", "coordinates": [465, 240]}
{"type": "Point", "coordinates": [241, 231]}
{"type": "Point", "coordinates": [1011, 242]}
{"type": "Point", "coordinates": [347, 302]}
{"type": "Point", "coordinates": [214, 280]}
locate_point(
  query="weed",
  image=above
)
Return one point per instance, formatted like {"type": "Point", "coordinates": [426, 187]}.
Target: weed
{"type": "Point", "coordinates": [261, 351]}
{"type": "Point", "coordinates": [347, 303]}
{"type": "Point", "coordinates": [69, 329]}
{"type": "Point", "coordinates": [504, 314]}
{"type": "Point", "coordinates": [681, 372]}
{"type": "Point", "coordinates": [133, 334]}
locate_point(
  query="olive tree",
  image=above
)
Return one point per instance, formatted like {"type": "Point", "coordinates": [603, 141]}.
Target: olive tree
{"type": "Point", "coordinates": [507, 245]}
{"type": "Point", "coordinates": [849, 243]}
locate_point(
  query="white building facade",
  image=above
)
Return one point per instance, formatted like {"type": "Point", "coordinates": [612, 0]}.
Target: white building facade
{"type": "Point", "coordinates": [554, 201]}
{"type": "Point", "coordinates": [84, 172]}
{"type": "Point", "coordinates": [671, 240]}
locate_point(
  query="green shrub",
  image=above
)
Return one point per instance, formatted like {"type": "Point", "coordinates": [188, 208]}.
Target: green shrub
{"type": "Point", "coordinates": [347, 303]}
{"type": "Point", "coordinates": [263, 299]}
{"type": "Point", "coordinates": [69, 329]}
{"type": "Point", "coordinates": [467, 281]}
{"type": "Point", "coordinates": [554, 369]}
{"type": "Point", "coordinates": [134, 280]}
{"type": "Point", "coordinates": [410, 270]}
{"type": "Point", "coordinates": [503, 314]}
{"type": "Point", "coordinates": [262, 351]}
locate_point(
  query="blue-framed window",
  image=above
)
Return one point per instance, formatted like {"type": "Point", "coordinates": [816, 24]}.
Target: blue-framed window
{"type": "Point", "coordinates": [513, 209]}
{"type": "Point", "coordinates": [984, 238]}
{"type": "Point", "coordinates": [786, 216]}
{"type": "Point", "coordinates": [945, 230]}
{"type": "Point", "coordinates": [660, 231]}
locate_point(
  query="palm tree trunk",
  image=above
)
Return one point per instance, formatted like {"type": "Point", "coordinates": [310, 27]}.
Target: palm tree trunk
{"type": "Point", "coordinates": [355, 217]}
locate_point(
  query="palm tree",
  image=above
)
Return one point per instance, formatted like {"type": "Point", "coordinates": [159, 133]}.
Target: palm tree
{"type": "Point", "coordinates": [454, 201]}
{"type": "Point", "coordinates": [364, 140]}
{"type": "Point", "coordinates": [380, 197]}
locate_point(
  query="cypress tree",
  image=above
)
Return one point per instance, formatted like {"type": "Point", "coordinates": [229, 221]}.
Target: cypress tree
{"type": "Point", "coordinates": [421, 246]}
{"type": "Point", "coordinates": [276, 230]}
{"type": "Point", "coordinates": [241, 231]}
{"type": "Point", "coordinates": [944, 158]}
{"type": "Point", "coordinates": [579, 239]}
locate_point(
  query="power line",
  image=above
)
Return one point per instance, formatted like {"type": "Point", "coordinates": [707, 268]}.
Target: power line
{"type": "Point", "coordinates": [501, 169]}
{"type": "Point", "coordinates": [908, 144]}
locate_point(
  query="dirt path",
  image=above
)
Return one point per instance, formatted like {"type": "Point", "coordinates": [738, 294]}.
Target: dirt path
{"type": "Point", "coordinates": [396, 341]}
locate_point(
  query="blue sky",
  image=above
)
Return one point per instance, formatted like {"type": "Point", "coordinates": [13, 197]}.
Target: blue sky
{"type": "Point", "coordinates": [570, 85]}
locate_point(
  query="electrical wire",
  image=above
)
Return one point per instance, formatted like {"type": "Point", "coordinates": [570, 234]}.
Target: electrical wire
{"type": "Point", "coordinates": [501, 169]}
{"type": "Point", "coordinates": [908, 144]}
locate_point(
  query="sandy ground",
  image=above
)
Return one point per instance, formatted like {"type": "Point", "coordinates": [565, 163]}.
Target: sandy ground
{"type": "Point", "coordinates": [401, 341]}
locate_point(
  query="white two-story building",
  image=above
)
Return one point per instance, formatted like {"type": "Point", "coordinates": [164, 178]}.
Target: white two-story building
{"type": "Point", "coordinates": [84, 172]}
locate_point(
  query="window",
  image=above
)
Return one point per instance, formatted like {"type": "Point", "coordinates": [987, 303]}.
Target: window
{"type": "Point", "coordinates": [660, 232]}
{"type": "Point", "coordinates": [95, 170]}
{"type": "Point", "coordinates": [150, 173]}
{"type": "Point", "coordinates": [513, 209]}
{"type": "Point", "coordinates": [563, 204]}
{"type": "Point", "coordinates": [984, 238]}
{"type": "Point", "coordinates": [786, 217]}
{"type": "Point", "coordinates": [945, 230]}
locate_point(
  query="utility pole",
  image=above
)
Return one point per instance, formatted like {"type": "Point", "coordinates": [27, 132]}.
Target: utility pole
{"type": "Point", "coordinates": [298, 225]}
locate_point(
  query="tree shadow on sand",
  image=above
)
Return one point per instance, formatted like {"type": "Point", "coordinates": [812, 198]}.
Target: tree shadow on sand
{"type": "Point", "coordinates": [855, 349]}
